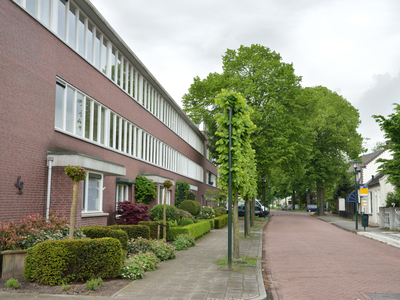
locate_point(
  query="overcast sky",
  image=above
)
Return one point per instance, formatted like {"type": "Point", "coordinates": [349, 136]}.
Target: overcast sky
{"type": "Point", "coordinates": [350, 46]}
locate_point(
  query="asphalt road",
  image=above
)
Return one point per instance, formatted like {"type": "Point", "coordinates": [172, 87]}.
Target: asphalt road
{"type": "Point", "coordinates": [307, 258]}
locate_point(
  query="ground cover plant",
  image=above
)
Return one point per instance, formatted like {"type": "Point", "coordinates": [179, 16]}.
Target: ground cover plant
{"type": "Point", "coordinates": [13, 283]}
{"type": "Point", "coordinates": [183, 241]}
{"type": "Point", "coordinates": [162, 249]}
{"type": "Point", "coordinates": [137, 264]}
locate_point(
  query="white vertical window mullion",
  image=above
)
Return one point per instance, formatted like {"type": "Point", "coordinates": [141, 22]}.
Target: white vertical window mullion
{"type": "Point", "coordinates": [99, 123]}
{"type": "Point", "coordinates": [94, 45]}
{"type": "Point", "coordinates": [67, 22]}
{"type": "Point", "coordinates": [140, 88]}
{"type": "Point", "coordinates": [107, 128]}
{"type": "Point", "coordinates": [91, 120]}
{"type": "Point", "coordinates": [101, 52]}
{"type": "Point", "coordinates": [84, 99]}
{"type": "Point", "coordinates": [86, 37]}
{"type": "Point", "coordinates": [147, 147]}
{"type": "Point", "coordinates": [38, 9]}
{"type": "Point", "coordinates": [120, 134]}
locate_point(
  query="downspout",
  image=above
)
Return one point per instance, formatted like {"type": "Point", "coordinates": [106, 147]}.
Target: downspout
{"type": "Point", "coordinates": [50, 164]}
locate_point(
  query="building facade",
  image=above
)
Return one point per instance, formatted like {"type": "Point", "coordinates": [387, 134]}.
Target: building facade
{"type": "Point", "coordinates": [73, 93]}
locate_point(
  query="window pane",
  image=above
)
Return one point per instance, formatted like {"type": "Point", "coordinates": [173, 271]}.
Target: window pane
{"type": "Point", "coordinates": [117, 134]}
{"type": "Point", "coordinates": [81, 32]}
{"type": "Point", "coordinates": [45, 12]}
{"type": "Point", "coordinates": [70, 110]}
{"type": "Point", "coordinates": [97, 50]}
{"type": "Point", "coordinates": [87, 119]}
{"type": "Point", "coordinates": [124, 76]}
{"type": "Point", "coordinates": [95, 120]}
{"type": "Point", "coordinates": [103, 116]}
{"type": "Point", "coordinates": [113, 62]}
{"type": "Point", "coordinates": [71, 25]}
{"type": "Point", "coordinates": [61, 19]}
{"type": "Point", "coordinates": [133, 83]}
{"type": "Point", "coordinates": [89, 43]}
{"type": "Point", "coordinates": [31, 7]}
{"type": "Point", "coordinates": [59, 106]}
{"type": "Point", "coordinates": [79, 105]}
{"type": "Point", "coordinates": [119, 69]}
{"type": "Point", "coordinates": [111, 144]}
{"type": "Point", "coordinates": [94, 192]}
{"type": "Point", "coordinates": [104, 56]}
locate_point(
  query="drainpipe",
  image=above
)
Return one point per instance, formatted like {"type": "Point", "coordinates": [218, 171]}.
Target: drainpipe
{"type": "Point", "coordinates": [50, 164]}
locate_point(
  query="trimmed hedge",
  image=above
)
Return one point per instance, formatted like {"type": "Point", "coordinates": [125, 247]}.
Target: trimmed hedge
{"type": "Point", "coordinates": [153, 225]}
{"type": "Point", "coordinates": [221, 221]}
{"type": "Point", "coordinates": [96, 232]}
{"type": "Point", "coordinates": [133, 231]}
{"type": "Point", "coordinates": [196, 230]}
{"type": "Point", "coordinates": [67, 261]}
{"type": "Point", "coordinates": [211, 221]}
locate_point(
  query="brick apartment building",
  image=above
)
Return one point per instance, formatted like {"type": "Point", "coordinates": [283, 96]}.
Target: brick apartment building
{"type": "Point", "coordinates": [72, 92]}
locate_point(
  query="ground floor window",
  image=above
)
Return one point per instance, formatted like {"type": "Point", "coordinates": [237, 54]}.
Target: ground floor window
{"type": "Point", "coordinates": [93, 193]}
{"type": "Point", "coordinates": [122, 194]}
{"type": "Point", "coordinates": [161, 192]}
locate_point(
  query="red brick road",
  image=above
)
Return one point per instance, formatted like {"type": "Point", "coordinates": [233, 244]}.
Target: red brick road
{"type": "Point", "coordinates": [310, 259]}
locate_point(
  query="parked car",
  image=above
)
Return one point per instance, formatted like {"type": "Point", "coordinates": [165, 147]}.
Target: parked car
{"type": "Point", "coordinates": [283, 207]}
{"type": "Point", "coordinates": [311, 207]}
{"type": "Point", "coordinates": [241, 211]}
{"type": "Point", "coordinates": [289, 206]}
{"type": "Point", "coordinates": [260, 210]}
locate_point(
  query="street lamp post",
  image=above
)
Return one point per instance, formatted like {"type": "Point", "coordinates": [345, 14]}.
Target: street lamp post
{"type": "Point", "coordinates": [269, 197]}
{"type": "Point", "coordinates": [355, 190]}
{"type": "Point", "coordinates": [264, 179]}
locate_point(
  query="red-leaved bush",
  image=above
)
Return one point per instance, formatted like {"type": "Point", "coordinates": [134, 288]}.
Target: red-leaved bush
{"type": "Point", "coordinates": [131, 213]}
{"type": "Point", "coordinates": [32, 230]}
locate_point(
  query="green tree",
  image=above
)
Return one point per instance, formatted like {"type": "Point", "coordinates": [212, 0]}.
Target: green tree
{"type": "Point", "coordinates": [181, 190]}
{"type": "Point", "coordinates": [271, 89]}
{"type": "Point", "coordinates": [76, 174]}
{"type": "Point", "coordinates": [145, 190]}
{"type": "Point", "coordinates": [242, 153]}
{"type": "Point", "coordinates": [333, 126]}
{"type": "Point", "coordinates": [391, 127]}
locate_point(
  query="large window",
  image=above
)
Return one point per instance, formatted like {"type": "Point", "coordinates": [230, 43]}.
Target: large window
{"type": "Point", "coordinates": [161, 193]}
{"type": "Point", "coordinates": [81, 116]}
{"type": "Point", "coordinates": [92, 200]}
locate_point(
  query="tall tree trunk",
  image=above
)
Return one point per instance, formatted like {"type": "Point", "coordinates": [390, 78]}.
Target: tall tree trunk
{"type": "Point", "coordinates": [235, 221]}
{"type": "Point", "coordinates": [165, 215]}
{"type": "Point", "coordinates": [293, 200]}
{"type": "Point", "coordinates": [320, 197]}
{"type": "Point", "coordinates": [73, 208]}
{"type": "Point", "coordinates": [247, 216]}
{"type": "Point", "coordinates": [253, 211]}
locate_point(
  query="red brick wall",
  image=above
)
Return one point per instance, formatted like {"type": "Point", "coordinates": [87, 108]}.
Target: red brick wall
{"type": "Point", "coordinates": [30, 59]}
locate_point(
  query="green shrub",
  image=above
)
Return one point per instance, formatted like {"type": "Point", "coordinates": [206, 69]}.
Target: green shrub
{"type": "Point", "coordinates": [66, 261]}
{"type": "Point", "coordinates": [145, 190]}
{"type": "Point", "coordinates": [154, 228]}
{"type": "Point", "coordinates": [186, 221]}
{"type": "Point", "coordinates": [64, 287]}
{"type": "Point", "coordinates": [13, 283]}
{"type": "Point", "coordinates": [162, 249]}
{"type": "Point", "coordinates": [96, 232]}
{"type": "Point", "coordinates": [181, 190]}
{"type": "Point", "coordinates": [191, 196]}
{"type": "Point", "coordinates": [133, 231]}
{"type": "Point", "coordinates": [183, 241]}
{"type": "Point", "coordinates": [191, 206]}
{"type": "Point", "coordinates": [211, 221]}
{"type": "Point", "coordinates": [196, 230]}
{"type": "Point", "coordinates": [157, 212]}
{"type": "Point", "coordinates": [207, 212]}
{"type": "Point", "coordinates": [94, 283]}
{"type": "Point", "coordinates": [130, 213]}
{"type": "Point", "coordinates": [139, 245]}
{"type": "Point", "coordinates": [220, 221]}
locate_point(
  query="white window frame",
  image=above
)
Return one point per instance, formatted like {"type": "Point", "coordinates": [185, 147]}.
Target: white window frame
{"type": "Point", "coordinates": [85, 194]}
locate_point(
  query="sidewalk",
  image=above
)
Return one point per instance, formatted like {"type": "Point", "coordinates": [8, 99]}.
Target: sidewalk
{"type": "Point", "coordinates": [193, 274]}
{"type": "Point", "coordinates": [388, 237]}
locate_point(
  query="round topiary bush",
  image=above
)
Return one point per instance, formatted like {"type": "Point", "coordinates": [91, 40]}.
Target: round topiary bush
{"type": "Point", "coordinates": [156, 212]}
{"type": "Point", "coordinates": [186, 221]}
{"type": "Point", "coordinates": [191, 206]}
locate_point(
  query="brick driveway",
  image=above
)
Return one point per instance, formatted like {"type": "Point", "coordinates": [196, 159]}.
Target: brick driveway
{"type": "Point", "coordinates": [310, 259]}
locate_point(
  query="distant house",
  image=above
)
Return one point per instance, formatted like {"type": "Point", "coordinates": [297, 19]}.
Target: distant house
{"type": "Point", "coordinates": [377, 184]}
